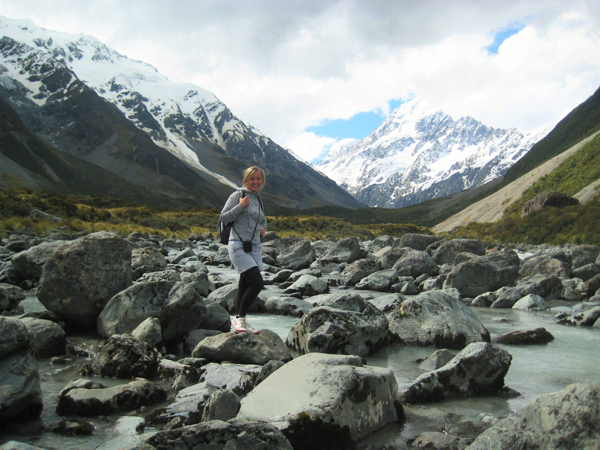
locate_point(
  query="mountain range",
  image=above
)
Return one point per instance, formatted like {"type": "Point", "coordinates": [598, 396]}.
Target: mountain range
{"type": "Point", "coordinates": [80, 117]}
{"type": "Point", "coordinates": [420, 153]}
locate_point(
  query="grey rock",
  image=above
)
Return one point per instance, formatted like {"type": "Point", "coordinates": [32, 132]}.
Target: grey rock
{"type": "Point", "coordinates": [10, 296]}
{"type": "Point", "coordinates": [567, 419]}
{"type": "Point", "coordinates": [150, 332]}
{"type": "Point", "coordinates": [124, 356]}
{"type": "Point", "coordinates": [345, 250]}
{"type": "Point", "coordinates": [308, 285]}
{"type": "Point", "coordinates": [236, 377]}
{"type": "Point", "coordinates": [478, 369]}
{"type": "Point", "coordinates": [586, 272]}
{"type": "Point", "coordinates": [526, 337]}
{"type": "Point", "coordinates": [418, 241]}
{"type": "Point", "coordinates": [447, 251]}
{"type": "Point", "coordinates": [326, 401]}
{"type": "Point", "coordinates": [243, 348]}
{"type": "Point", "coordinates": [221, 405]}
{"type": "Point", "coordinates": [531, 302]}
{"type": "Point", "coordinates": [345, 324]}
{"type": "Point", "coordinates": [582, 255]}
{"type": "Point", "coordinates": [299, 256]}
{"type": "Point", "coordinates": [81, 276]}
{"type": "Point", "coordinates": [47, 338]}
{"type": "Point", "coordinates": [438, 359]}
{"type": "Point", "coordinates": [30, 263]}
{"type": "Point", "coordinates": [416, 263]}
{"type": "Point", "coordinates": [287, 306]}
{"type": "Point", "coordinates": [178, 306]}
{"type": "Point", "coordinates": [381, 281]}
{"type": "Point", "coordinates": [436, 319]}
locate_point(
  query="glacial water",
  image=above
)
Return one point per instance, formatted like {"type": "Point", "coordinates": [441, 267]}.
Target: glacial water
{"type": "Point", "coordinates": [571, 357]}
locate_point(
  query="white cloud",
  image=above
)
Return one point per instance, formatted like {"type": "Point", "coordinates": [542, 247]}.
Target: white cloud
{"type": "Point", "coordinates": [309, 147]}
{"type": "Point", "coordinates": [285, 65]}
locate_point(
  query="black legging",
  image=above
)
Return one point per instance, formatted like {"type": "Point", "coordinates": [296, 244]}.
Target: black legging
{"type": "Point", "coordinates": [250, 284]}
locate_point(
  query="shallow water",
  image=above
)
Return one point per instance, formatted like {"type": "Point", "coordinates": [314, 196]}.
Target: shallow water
{"type": "Point", "coordinates": [570, 358]}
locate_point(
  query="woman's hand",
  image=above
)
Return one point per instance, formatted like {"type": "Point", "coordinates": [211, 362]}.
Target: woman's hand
{"type": "Point", "coordinates": [244, 201]}
{"type": "Point", "coordinates": [262, 231]}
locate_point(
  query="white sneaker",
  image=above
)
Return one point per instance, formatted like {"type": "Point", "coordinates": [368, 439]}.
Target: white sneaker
{"type": "Point", "coordinates": [239, 325]}
{"type": "Point", "coordinates": [250, 328]}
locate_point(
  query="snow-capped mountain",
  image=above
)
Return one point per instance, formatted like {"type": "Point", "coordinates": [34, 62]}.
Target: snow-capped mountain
{"type": "Point", "coordinates": [421, 153]}
{"type": "Point", "coordinates": [122, 115]}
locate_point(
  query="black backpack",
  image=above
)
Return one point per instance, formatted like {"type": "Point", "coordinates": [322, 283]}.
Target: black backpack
{"type": "Point", "coordinates": [224, 229]}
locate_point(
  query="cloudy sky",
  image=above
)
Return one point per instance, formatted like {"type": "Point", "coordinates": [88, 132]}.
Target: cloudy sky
{"type": "Point", "coordinates": [310, 72]}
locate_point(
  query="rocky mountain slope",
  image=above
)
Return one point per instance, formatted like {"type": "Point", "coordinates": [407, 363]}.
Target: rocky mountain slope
{"type": "Point", "coordinates": [421, 153]}
{"type": "Point", "coordinates": [171, 140]}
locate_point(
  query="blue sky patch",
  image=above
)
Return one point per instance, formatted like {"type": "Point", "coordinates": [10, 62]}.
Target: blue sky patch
{"type": "Point", "coordinates": [503, 35]}
{"type": "Point", "coordinates": [358, 126]}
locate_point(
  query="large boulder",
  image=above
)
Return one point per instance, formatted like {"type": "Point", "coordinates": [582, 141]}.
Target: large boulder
{"type": "Point", "coordinates": [345, 250]}
{"type": "Point", "coordinates": [10, 296]}
{"type": "Point", "coordinates": [308, 285]}
{"type": "Point", "coordinates": [125, 356]}
{"type": "Point", "coordinates": [234, 434]}
{"type": "Point", "coordinates": [81, 276]}
{"type": "Point", "coordinates": [299, 256]}
{"type": "Point", "coordinates": [478, 369]}
{"type": "Point", "coordinates": [178, 306]}
{"type": "Point", "coordinates": [345, 324]}
{"type": "Point", "coordinates": [102, 401]}
{"type": "Point", "coordinates": [485, 273]}
{"type": "Point", "coordinates": [359, 269]}
{"type": "Point", "coordinates": [381, 281]}
{"type": "Point", "coordinates": [567, 419]}
{"type": "Point", "coordinates": [418, 241]}
{"type": "Point", "coordinates": [436, 319]}
{"type": "Point", "coordinates": [447, 251]}
{"type": "Point", "coordinates": [326, 401]}
{"type": "Point", "coordinates": [20, 391]}
{"type": "Point", "coordinates": [549, 267]}
{"type": "Point", "coordinates": [30, 263]}
{"type": "Point", "coordinates": [416, 263]}
{"type": "Point", "coordinates": [47, 338]}
{"type": "Point", "coordinates": [243, 348]}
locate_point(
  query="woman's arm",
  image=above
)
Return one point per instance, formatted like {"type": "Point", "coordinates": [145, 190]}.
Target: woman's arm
{"type": "Point", "coordinates": [232, 208]}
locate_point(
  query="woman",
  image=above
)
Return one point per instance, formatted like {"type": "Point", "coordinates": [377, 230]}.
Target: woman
{"type": "Point", "coordinates": [244, 208]}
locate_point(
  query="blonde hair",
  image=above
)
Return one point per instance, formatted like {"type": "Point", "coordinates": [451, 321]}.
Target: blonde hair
{"type": "Point", "coordinates": [250, 171]}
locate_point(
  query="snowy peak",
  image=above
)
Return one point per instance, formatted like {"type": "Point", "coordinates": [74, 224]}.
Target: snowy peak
{"type": "Point", "coordinates": [420, 153]}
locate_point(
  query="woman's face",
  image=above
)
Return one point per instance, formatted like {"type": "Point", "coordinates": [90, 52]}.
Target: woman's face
{"type": "Point", "coordinates": [255, 182]}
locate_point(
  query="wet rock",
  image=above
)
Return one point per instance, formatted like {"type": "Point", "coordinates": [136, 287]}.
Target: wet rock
{"type": "Point", "coordinates": [150, 332]}
{"type": "Point", "coordinates": [531, 302]}
{"type": "Point", "coordinates": [172, 370]}
{"type": "Point", "coordinates": [15, 445]}
{"type": "Point", "coordinates": [436, 319]}
{"type": "Point", "coordinates": [569, 418]}
{"type": "Point", "coordinates": [345, 324]}
{"type": "Point", "coordinates": [221, 405]}
{"type": "Point", "coordinates": [438, 359]}
{"type": "Point", "coordinates": [243, 348]}
{"type": "Point", "coordinates": [286, 306]}
{"type": "Point", "coordinates": [125, 397]}
{"type": "Point", "coordinates": [485, 273]}
{"type": "Point", "coordinates": [308, 285]}
{"type": "Point", "coordinates": [47, 338]}
{"type": "Point", "coordinates": [479, 369]}
{"type": "Point", "coordinates": [177, 305]}
{"type": "Point", "coordinates": [485, 299]}
{"type": "Point", "coordinates": [81, 276]}
{"type": "Point", "coordinates": [435, 440]}
{"type": "Point", "coordinates": [124, 356]}
{"type": "Point", "coordinates": [585, 318]}
{"type": "Point", "coordinates": [232, 435]}
{"type": "Point", "coordinates": [10, 297]}
{"type": "Point", "coordinates": [326, 401]}
{"type": "Point", "coordinates": [74, 427]}
{"type": "Point", "coordinates": [526, 337]}
{"type": "Point", "coordinates": [20, 392]}
{"type": "Point", "coordinates": [187, 407]}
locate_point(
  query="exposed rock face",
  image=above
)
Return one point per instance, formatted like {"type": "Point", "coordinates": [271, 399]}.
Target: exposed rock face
{"type": "Point", "coordinates": [345, 324]}
{"type": "Point", "coordinates": [243, 348]}
{"type": "Point", "coordinates": [479, 369]}
{"type": "Point", "coordinates": [485, 273]}
{"type": "Point", "coordinates": [81, 276]}
{"type": "Point", "coordinates": [436, 319]}
{"type": "Point", "coordinates": [567, 419]}
{"type": "Point", "coordinates": [178, 306]}
{"type": "Point", "coordinates": [545, 199]}
{"type": "Point", "coordinates": [326, 401]}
